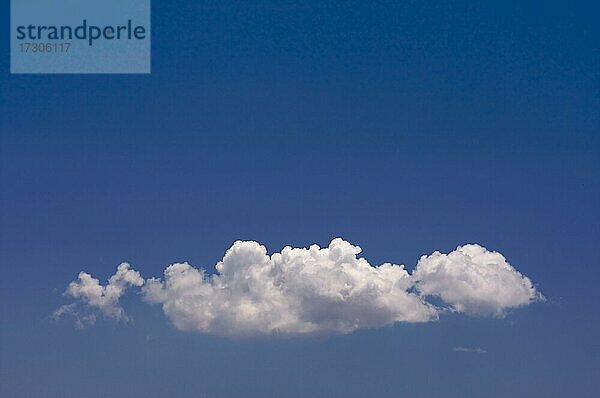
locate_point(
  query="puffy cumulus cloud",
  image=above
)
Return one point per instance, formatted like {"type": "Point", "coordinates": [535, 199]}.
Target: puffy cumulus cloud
{"type": "Point", "coordinates": [475, 281]}
{"type": "Point", "coordinates": [311, 290]}
{"type": "Point", "coordinates": [295, 291]}
{"type": "Point", "coordinates": [94, 296]}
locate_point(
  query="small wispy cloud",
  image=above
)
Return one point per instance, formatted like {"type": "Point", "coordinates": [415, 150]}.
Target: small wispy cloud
{"type": "Point", "coordinates": [472, 350]}
{"type": "Point", "coordinates": [95, 297]}
{"type": "Point", "coordinates": [70, 310]}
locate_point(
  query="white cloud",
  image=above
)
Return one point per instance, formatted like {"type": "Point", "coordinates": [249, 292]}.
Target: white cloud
{"type": "Point", "coordinates": [475, 281]}
{"type": "Point", "coordinates": [94, 296]}
{"type": "Point", "coordinates": [81, 320]}
{"type": "Point", "coordinates": [312, 291]}
{"type": "Point", "coordinates": [475, 350]}
{"type": "Point", "coordinates": [296, 291]}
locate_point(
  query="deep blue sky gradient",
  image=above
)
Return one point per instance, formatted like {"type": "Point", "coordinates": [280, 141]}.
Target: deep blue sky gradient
{"type": "Point", "coordinates": [403, 127]}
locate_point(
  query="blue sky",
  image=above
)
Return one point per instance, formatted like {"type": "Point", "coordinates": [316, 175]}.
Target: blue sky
{"type": "Point", "coordinates": [403, 128]}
